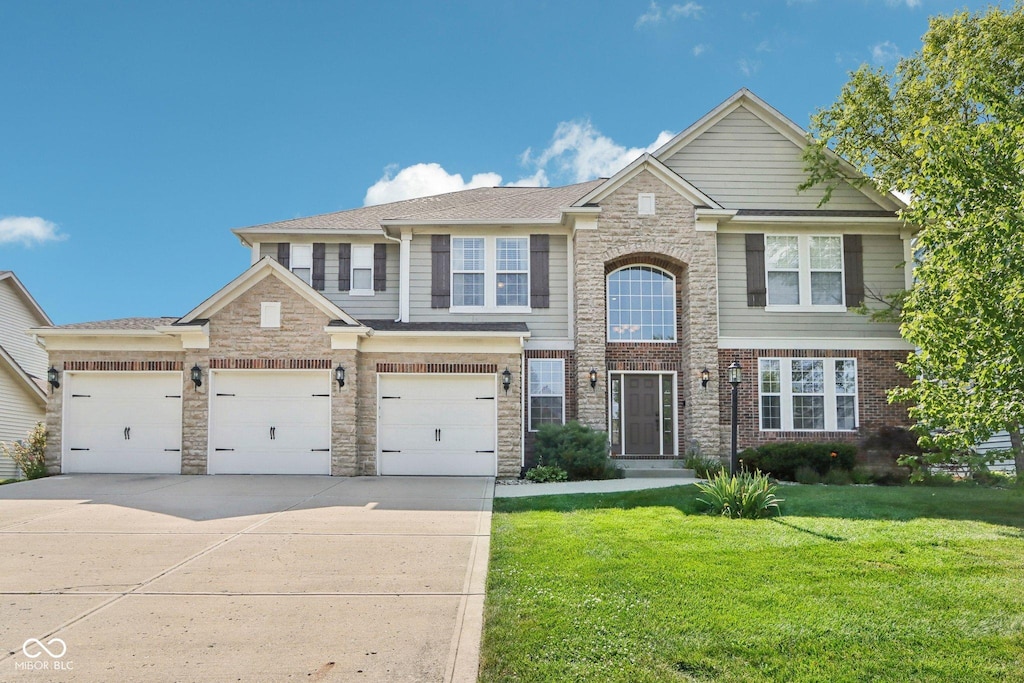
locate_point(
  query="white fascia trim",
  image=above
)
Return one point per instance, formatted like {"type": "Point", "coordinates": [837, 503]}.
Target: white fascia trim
{"type": "Point", "coordinates": [19, 371]}
{"type": "Point", "coordinates": [813, 225]}
{"type": "Point", "coordinates": [389, 222]}
{"type": "Point", "coordinates": [709, 220]}
{"type": "Point", "coordinates": [29, 299]}
{"type": "Point", "coordinates": [453, 335]}
{"type": "Point", "coordinates": [808, 343]}
{"type": "Point", "coordinates": [274, 235]}
{"type": "Point", "coordinates": [191, 336]}
{"type": "Point", "coordinates": [45, 332]}
{"type": "Point", "coordinates": [550, 345]}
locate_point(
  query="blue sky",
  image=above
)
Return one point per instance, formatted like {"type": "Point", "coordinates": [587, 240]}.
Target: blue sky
{"type": "Point", "coordinates": [135, 135]}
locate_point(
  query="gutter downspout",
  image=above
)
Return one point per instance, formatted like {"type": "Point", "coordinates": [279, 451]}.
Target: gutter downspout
{"type": "Point", "coordinates": [404, 244]}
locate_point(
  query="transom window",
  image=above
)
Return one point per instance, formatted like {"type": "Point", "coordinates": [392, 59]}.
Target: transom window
{"type": "Point", "coordinates": [490, 272]}
{"type": "Point", "coordinates": [547, 392]}
{"type": "Point", "coordinates": [808, 394]}
{"type": "Point", "coordinates": [641, 305]}
{"type": "Point", "coordinates": [804, 270]}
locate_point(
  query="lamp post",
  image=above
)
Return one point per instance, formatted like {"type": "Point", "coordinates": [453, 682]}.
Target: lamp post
{"type": "Point", "coordinates": [735, 377]}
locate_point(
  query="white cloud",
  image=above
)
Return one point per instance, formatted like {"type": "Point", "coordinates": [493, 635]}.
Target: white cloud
{"type": "Point", "coordinates": [580, 152]}
{"type": "Point", "coordinates": [28, 230]}
{"type": "Point", "coordinates": [690, 10]}
{"type": "Point", "coordinates": [655, 15]}
{"type": "Point", "coordinates": [764, 46]}
{"type": "Point", "coordinates": [912, 4]}
{"type": "Point", "coordinates": [747, 67]}
{"type": "Point", "coordinates": [885, 53]}
{"type": "Point", "coordinates": [700, 49]}
{"type": "Point", "coordinates": [422, 180]}
{"type": "Point", "coordinates": [538, 179]}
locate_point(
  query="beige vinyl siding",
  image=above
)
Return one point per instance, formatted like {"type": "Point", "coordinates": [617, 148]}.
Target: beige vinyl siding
{"type": "Point", "coordinates": [883, 272]}
{"type": "Point", "coordinates": [19, 413]}
{"type": "Point", "coordinates": [15, 319]}
{"type": "Point", "coordinates": [550, 323]}
{"type": "Point", "coordinates": [743, 163]}
{"type": "Point", "coordinates": [380, 306]}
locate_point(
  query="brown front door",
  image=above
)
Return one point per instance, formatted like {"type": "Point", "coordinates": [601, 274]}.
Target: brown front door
{"type": "Point", "coordinates": [642, 396]}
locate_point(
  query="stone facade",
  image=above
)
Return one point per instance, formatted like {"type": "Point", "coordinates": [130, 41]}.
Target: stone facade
{"type": "Point", "coordinates": [622, 236]}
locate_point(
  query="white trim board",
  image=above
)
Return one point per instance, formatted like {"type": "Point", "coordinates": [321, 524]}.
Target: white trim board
{"type": "Point", "coordinates": [808, 343]}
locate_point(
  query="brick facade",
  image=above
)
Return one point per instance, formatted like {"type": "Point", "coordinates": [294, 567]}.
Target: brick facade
{"type": "Point", "coordinates": [876, 374]}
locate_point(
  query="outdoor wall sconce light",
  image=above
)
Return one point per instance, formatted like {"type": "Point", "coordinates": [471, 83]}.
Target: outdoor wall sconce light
{"type": "Point", "coordinates": [339, 376]}
{"type": "Point", "coordinates": [53, 377]}
{"type": "Point", "coordinates": [506, 379]}
{"type": "Point", "coordinates": [705, 376]}
{"type": "Point", "coordinates": [593, 378]}
{"type": "Point", "coordinates": [197, 375]}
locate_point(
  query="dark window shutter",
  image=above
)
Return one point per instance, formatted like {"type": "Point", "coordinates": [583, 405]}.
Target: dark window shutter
{"type": "Point", "coordinates": [344, 267]}
{"type": "Point", "coordinates": [380, 267]}
{"type": "Point", "coordinates": [284, 254]}
{"type": "Point", "coordinates": [440, 271]}
{"type": "Point", "coordinates": [757, 293]}
{"type": "Point", "coordinates": [853, 264]}
{"type": "Point", "coordinates": [318, 266]}
{"type": "Point", "coordinates": [539, 292]}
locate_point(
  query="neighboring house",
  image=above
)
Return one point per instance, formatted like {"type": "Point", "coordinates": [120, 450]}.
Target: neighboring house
{"type": "Point", "coordinates": [22, 366]}
{"type": "Point", "coordinates": [435, 335]}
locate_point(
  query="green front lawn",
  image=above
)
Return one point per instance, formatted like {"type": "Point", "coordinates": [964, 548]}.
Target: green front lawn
{"type": "Point", "coordinates": [851, 584]}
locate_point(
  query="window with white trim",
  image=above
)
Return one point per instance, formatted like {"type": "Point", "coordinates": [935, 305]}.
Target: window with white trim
{"type": "Point", "coordinates": [641, 305]}
{"type": "Point", "coordinates": [301, 262]}
{"type": "Point", "coordinates": [547, 392]}
{"type": "Point", "coordinates": [490, 274]}
{"type": "Point", "coordinates": [362, 269]}
{"type": "Point", "coordinates": [807, 394]}
{"type": "Point", "coordinates": [804, 271]}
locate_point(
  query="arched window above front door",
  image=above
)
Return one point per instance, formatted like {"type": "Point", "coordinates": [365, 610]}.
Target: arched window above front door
{"type": "Point", "coordinates": [641, 305]}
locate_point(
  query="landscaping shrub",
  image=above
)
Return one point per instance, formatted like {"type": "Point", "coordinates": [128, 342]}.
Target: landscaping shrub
{"type": "Point", "coordinates": [806, 475]}
{"type": "Point", "coordinates": [703, 466]}
{"type": "Point", "coordinates": [29, 454]}
{"type": "Point", "coordinates": [861, 476]}
{"type": "Point", "coordinates": [838, 477]}
{"type": "Point", "coordinates": [782, 459]}
{"type": "Point", "coordinates": [745, 495]}
{"type": "Point", "coordinates": [543, 474]}
{"type": "Point", "coordinates": [579, 450]}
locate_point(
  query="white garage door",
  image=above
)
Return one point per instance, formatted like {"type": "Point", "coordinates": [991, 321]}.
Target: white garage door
{"type": "Point", "coordinates": [441, 425]}
{"type": "Point", "coordinates": [122, 422]}
{"type": "Point", "coordinates": [270, 422]}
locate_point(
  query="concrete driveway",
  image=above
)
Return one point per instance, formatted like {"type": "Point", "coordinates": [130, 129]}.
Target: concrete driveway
{"type": "Point", "coordinates": [243, 578]}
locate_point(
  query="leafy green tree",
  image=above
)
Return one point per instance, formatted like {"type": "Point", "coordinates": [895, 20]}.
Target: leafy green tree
{"type": "Point", "coordinates": [946, 128]}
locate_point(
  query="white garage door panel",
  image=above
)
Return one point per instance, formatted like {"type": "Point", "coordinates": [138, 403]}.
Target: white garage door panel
{"type": "Point", "coordinates": [123, 422]}
{"type": "Point", "coordinates": [439, 425]}
{"type": "Point", "coordinates": [270, 422]}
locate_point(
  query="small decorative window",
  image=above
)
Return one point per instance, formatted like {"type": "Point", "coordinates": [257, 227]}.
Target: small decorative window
{"type": "Point", "coordinates": [645, 204]}
{"type": "Point", "coordinates": [270, 314]}
{"type": "Point", "coordinates": [547, 392]}
{"type": "Point", "coordinates": [641, 305]}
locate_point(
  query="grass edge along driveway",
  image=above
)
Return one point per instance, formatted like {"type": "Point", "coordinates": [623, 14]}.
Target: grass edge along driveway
{"type": "Point", "coordinates": [850, 584]}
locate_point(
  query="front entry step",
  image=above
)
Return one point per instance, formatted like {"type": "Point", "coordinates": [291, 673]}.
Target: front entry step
{"type": "Point", "coordinates": [654, 469]}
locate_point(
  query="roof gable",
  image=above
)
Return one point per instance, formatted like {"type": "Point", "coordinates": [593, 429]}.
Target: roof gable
{"type": "Point", "coordinates": [749, 156]}
{"type": "Point", "coordinates": [30, 385]}
{"type": "Point", "coordinates": [647, 162]}
{"type": "Point", "coordinates": [264, 268]}
{"type": "Point", "coordinates": [18, 288]}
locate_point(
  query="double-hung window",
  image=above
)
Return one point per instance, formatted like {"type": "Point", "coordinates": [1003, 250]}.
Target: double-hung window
{"type": "Point", "coordinates": [808, 394]}
{"type": "Point", "coordinates": [362, 269]}
{"type": "Point", "coordinates": [547, 392]}
{"type": "Point", "coordinates": [804, 272]}
{"type": "Point", "coordinates": [301, 262]}
{"type": "Point", "coordinates": [490, 273]}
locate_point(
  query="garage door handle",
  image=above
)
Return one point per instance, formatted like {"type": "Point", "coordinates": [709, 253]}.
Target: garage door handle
{"type": "Point", "coordinates": [485, 451]}
{"type": "Point", "coordinates": [127, 433]}
{"type": "Point", "coordinates": [437, 435]}
{"type": "Point", "coordinates": [320, 450]}
{"type": "Point", "coordinates": [273, 433]}
{"type": "Point", "coordinates": [223, 449]}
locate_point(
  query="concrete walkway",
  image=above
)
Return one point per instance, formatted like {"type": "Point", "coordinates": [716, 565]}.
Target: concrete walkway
{"type": "Point", "coordinates": [606, 486]}
{"type": "Point", "coordinates": [248, 578]}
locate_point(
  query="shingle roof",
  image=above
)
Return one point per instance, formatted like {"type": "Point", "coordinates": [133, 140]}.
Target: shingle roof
{"type": "Point", "coordinates": [483, 204]}
{"type": "Point", "coordinates": [119, 324]}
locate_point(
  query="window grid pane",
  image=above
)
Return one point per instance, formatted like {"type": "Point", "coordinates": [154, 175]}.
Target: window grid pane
{"type": "Point", "coordinates": [512, 290]}
{"type": "Point", "coordinates": [468, 289]}
{"type": "Point", "coordinates": [547, 392]}
{"type": "Point", "coordinates": [771, 412]}
{"type": "Point", "coordinates": [641, 305]}
{"type": "Point", "coordinates": [846, 412]}
{"type": "Point", "coordinates": [808, 376]}
{"type": "Point", "coordinates": [808, 412]}
{"type": "Point", "coordinates": [770, 381]}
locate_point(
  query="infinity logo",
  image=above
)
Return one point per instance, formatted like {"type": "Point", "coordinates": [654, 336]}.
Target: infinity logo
{"type": "Point", "coordinates": [51, 641]}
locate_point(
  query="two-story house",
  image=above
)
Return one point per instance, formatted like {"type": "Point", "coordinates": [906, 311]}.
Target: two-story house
{"type": "Point", "coordinates": [22, 366]}
{"type": "Point", "coordinates": [435, 335]}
